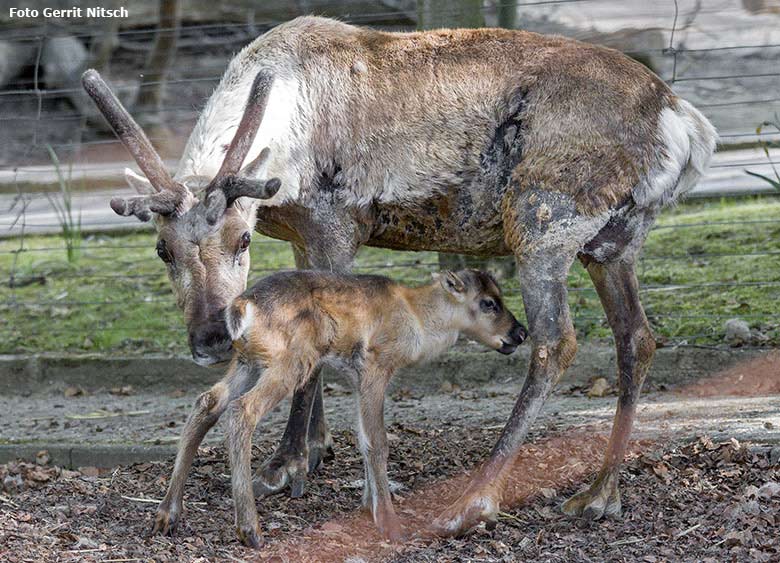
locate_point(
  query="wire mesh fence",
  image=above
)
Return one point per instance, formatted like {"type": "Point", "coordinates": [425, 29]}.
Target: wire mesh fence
{"type": "Point", "coordinates": [704, 264]}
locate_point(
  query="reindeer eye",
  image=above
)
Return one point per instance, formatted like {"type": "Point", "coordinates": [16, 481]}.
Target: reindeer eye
{"type": "Point", "coordinates": [162, 252]}
{"type": "Point", "coordinates": [243, 244]}
{"type": "Point", "coordinates": [488, 306]}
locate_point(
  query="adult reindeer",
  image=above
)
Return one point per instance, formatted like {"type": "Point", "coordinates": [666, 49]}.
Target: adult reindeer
{"type": "Point", "coordinates": [485, 142]}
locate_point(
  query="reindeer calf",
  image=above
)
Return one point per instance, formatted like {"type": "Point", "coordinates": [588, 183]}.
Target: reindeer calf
{"type": "Point", "coordinates": [292, 322]}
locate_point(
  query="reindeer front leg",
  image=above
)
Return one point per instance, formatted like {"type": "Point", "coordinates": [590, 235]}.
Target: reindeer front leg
{"type": "Point", "coordinates": [618, 289]}
{"type": "Point", "coordinates": [544, 252]}
{"type": "Point", "coordinates": [207, 410]}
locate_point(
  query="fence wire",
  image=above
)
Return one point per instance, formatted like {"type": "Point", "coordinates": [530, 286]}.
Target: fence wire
{"type": "Point", "coordinates": [41, 115]}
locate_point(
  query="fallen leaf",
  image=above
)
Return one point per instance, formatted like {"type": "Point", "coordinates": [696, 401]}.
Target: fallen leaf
{"type": "Point", "coordinates": [89, 471]}
{"type": "Point", "coordinates": [124, 390]}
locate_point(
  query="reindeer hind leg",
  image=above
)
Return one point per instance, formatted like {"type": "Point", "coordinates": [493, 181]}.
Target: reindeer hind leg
{"type": "Point", "coordinates": [618, 289]}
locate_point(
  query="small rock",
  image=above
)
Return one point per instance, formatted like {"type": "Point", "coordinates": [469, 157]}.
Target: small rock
{"type": "Point", "coordinates": [737, 332]}
{"type": "Point", "coordinates": [124, 390]}
{"type": "Point", "coordinates": [73, 391]}
{"type": "Point", "coordinates": [599, 388]}
{"type": "Point", "coordinates": [526, 544]}
{"type": "Point", "coordinates": [768, 425]}
{"type": "Point", "coordinates": [42, 457]}
{"type": "Point", "coordinates": [547, 493]}
{"type": "Point", "coordinates": [774, 455]}
{"type": "Point", "coordinates": [769, 490]}
{"type": "Point", "coordinates": [736, 538]}
{"type": "Point", "coordinates": [85, 543]}
{"type": "Point", "coordinates": [13, 483]}
{"type": "Point", "coordinates": [751, 507]}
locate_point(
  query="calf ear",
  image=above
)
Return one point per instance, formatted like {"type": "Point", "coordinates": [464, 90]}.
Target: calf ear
{"type": "Point", "coordinates": [453, 285]}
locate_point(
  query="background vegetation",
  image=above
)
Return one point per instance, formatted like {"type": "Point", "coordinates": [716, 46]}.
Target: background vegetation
{"type": "Point", "coordinates": [705, 262]}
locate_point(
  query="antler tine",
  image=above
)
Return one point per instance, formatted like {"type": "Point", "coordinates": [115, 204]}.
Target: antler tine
{"type": "Point", "coordinates": [170, 194]}
{"type": "Point", "coordinates": [232, 181]}
{"type": "Point", "coordinates": [247, 128]}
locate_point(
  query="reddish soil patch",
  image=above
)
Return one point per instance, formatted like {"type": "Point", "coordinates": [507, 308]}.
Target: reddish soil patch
{"type": "Point", "coordinates": [758, 377]}
{"type": "Point", "coordinates": [545, 466]}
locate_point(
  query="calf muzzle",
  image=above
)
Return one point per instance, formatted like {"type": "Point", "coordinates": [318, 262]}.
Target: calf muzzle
{"type": "Point", "coordinates": [516, 336]}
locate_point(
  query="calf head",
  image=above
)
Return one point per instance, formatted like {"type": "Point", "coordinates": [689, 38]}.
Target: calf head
{"type": "Point", "coordinates": [202, 240]}
{"type": "Point", "coordinates": [479, 310]}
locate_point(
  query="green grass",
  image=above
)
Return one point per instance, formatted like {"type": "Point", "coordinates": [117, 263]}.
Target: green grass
{"type": "Point", "coordinates": [117, 298]}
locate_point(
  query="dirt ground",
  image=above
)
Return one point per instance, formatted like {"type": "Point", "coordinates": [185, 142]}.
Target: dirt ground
{"type": "Point", "coordinates": [685, 498]}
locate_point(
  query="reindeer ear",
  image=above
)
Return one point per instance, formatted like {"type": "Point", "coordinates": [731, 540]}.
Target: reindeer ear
{"type": "Point", "coordinates": [139, 183]}
{"type": "Point", "coordinates": [453, 285]}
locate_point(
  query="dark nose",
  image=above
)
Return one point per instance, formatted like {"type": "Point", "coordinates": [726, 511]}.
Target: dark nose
{"type": "Point", "coordinates": [518, 333]}
{"type": "Point", "coordinates": [210, 342]}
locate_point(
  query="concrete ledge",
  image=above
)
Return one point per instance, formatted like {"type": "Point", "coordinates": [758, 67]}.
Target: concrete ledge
{"type": "Point", "coordinates": [466, 366]}
{"type": "Point", "coordinates": [73, 456]}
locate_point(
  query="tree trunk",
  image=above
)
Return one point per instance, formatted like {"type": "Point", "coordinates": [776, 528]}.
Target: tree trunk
{"type": "Point", "coordinates": [433, 14]}
{"type": "Point", "coordinates": [507, 14]}
{"type": "Point", "coordinates": [152, 88]}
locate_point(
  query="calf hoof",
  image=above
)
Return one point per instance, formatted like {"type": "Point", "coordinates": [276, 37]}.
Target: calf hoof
{"type": "Point", "coordinates": [165, 521]}
{"type": "Point", "coordinates": [279, 471]}
{"type": "Point", "coordinates": [601, 499]}
{"type": "Point", "coordinates": [249, 536]}
{"type": "Point", "coordinates": [466, 513]}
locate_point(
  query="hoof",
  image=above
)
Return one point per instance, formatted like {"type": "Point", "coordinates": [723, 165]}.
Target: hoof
{"type": "Point", "coordinates": [466, 514]}
{"type": "Point", "coordinates": [278, 472]}
{"type": "Point", "coordinates": [600, 500]}
{"type": "Point", "coordinates": [392, 530]}
{"type": "Point", "coordinates": [248, 536]}
{"type": "Point", "coordinates": [285, 468]}
{"type": "Point", "coordinates": [319, 453]}
{"type": "Point", "coordinates": [165, 521]}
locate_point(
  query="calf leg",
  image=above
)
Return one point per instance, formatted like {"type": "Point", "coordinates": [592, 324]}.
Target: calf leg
{"type": "Point", "coordinates": [207, 410]}
{"type": "Point", "coordinates": [244, 413]}
{"type": "Point", "coordinates": [372, 440]}
{"type": "Point", "coordinates": [618, 289]}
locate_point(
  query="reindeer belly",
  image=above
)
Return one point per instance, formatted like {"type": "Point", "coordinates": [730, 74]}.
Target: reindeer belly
{"type": "Point", "coordinates": [451, 222]}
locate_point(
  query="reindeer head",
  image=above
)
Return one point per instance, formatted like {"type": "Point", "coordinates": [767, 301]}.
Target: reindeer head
{"type": "Point", "coordinates": [203, 243]}
{"type": "Point", "coordinates": [477, 305]}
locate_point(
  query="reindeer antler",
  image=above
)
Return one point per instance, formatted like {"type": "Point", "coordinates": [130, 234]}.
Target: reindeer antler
{"type": "Point", "coordinates": [170, 194]}
{"type": "Point", "coordinates": [233, 182]}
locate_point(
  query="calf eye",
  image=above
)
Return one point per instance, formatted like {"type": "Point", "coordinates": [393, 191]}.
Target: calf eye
{"type": "Point", "coordinates": [488, 306]}
{"type": "Point", "coordinates": [243, 244]}
{"type": "Point", "coordinates": [163, 252]}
